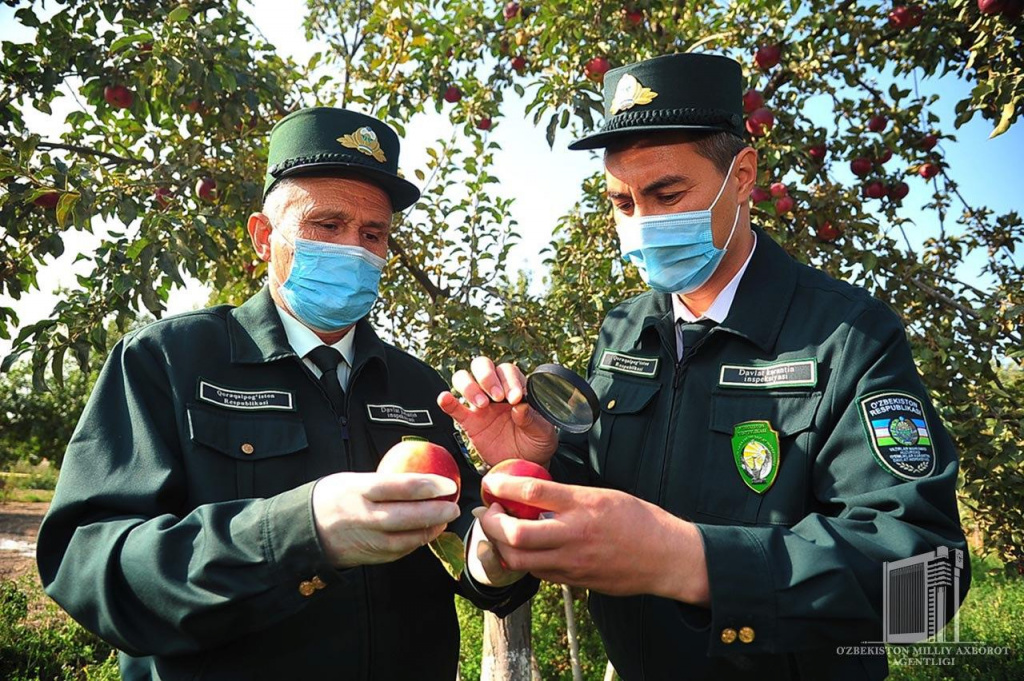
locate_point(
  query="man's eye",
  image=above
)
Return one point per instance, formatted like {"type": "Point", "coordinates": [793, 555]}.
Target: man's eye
{"type": "Point", "coordinates": [372, 236]}
{"type": "Point", "coordinates": [624, 206]}
{"type": "Point", "coordinates": [331, 226]}
{"type": "Point", "coordinates": [670, 198]}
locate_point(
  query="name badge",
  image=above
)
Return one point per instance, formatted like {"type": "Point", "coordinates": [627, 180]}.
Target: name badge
{"type": "Point", "coordinates": [799, 374]}
{"type": "Point", "coordinates": [392, 413]}
{"type": "Point", "coordinates": [246, 400]}
{"type": "Point", "coordinates": [629, 364]}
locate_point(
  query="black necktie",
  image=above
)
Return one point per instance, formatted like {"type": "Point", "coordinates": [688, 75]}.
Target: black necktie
{"type": "Point", "coordinates": [692, 333]}
{"type": "Point", "coordinates": [326, 360]}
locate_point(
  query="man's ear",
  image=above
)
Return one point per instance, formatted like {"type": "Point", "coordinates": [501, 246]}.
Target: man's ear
{"type": "Point", "coordinates": [259, 233]}
{"type": "Point", "coordinates": [746, 173]}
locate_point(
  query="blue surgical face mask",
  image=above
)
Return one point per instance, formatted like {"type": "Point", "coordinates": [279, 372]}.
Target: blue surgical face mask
{"type": "Point", "coordinates": [330, 286]}
{"type": "Point", "coordinates": [675, 253]}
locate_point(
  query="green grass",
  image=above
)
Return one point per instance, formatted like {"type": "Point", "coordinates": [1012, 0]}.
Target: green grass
{"type": "Point", "coordinates": [28, 495]}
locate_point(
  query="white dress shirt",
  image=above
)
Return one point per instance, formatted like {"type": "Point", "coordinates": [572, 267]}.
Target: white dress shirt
{"type": "Point", "coordinates": [303, 340]}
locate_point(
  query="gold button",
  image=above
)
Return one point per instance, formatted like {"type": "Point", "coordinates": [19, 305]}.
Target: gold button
{"type": "Point", "coordinates": [307, 589]}
{"type": "Point", "coordinates": [247, 448]}
{"type": "Point", "coordinates": [611, 404]}
{"type": "Point", "coordinates": [746, 634]}
{"type": "Point", "coordinates": [317, 582]}
{"type": "Point", "coordinates": [728, 635]}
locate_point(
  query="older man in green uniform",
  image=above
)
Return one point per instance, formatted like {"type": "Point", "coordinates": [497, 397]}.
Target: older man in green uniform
{"type": "Point", "coordinates": [764, 442]}
{"type": "Point", "coordinates": [217, 514]}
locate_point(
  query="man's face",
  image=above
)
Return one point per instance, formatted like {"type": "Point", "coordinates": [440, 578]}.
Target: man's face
{"type": "Point", "coordinates": [347, 211]}
{"type": "Point", "coordinates": [664, 175]}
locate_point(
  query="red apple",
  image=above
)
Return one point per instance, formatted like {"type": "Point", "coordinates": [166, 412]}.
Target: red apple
{"type": "Point", "coordinates": [420, 456]}
{"type": "Point", "coordinates": [521, 468]}
{"type": "Point", "coordinates": [885, 157]}
{"type": "Point", "coordinates": [483, 124]}
{"type": "Point", "coordinates": [817, 151]}
{"type": "Point", "coordinates": [163, 196]}
{"type": "Point", "coordinates": [752, 100]}
{"type": "Point", "coordinates": [928, 170]}
{"type": "Point", "coordinates": [118, 96]}
{"type": "Point", "coordinates": [47, 200]}
{"type": "Point", "coordinates": [760, 195]}
{"type": "Point", "coordinates": [768, 56]}
{"type": "Point", "coordinates": [827, 232]}
{"type": "Point", "coordinates": [778, 190]}
{"type": "Point", "coordinates": [511, 11]}
{"type": "Point", "coordinates": [784, 205]}
{"type": "Point", "coordinates": [519, 64]}
{"type": "Point", "coordinates": [452, 94]}
{"type": "Point", "coordinates": [903, 17]}
{"type": "Point", "coordinates": [760, 122]}
{"type": "Point", "coordinates": [634, 17]}
{"type": "Point", "coordinates": [991, 6]}
{"type": "Point", "coordinates": [877, 123]}
{"type": "Point", "coordinates": [596, 68]}
{"type": "Point", "coordinates": [874, 190]}
{"type": "Point", "coordinates": [928, 142]}
{"type": "Point", "coordinates": [194, 106]}
{"type": "Point", "coordinates": [249, 267]}
{"type": "Point", "coordinates": [860, 166]}
{"type": "Point", "coordinates": [206, 189]}
{"type": "Point", "coordinates": [898, 191]}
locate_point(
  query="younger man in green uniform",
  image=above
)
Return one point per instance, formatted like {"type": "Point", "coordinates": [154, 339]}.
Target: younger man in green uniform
{"type": "Point", "coordinates": [764, 442]}
{"type": "Point", "coordinates": [217, 514]}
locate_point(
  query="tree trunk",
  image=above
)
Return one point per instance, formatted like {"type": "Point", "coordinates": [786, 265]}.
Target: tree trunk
{"type": "Point", "coordinates": [570, 627]}
{"type": "Point", "coordinates": [507, 649]}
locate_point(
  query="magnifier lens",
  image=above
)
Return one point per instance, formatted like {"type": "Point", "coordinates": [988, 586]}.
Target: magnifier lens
{"type": "Point", "coordinates": [563, 398]}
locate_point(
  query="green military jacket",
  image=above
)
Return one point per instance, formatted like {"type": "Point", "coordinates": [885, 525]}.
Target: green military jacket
{"type": "Point", "coordinates": [182, 529]}
{"type": "Point", "coordinates": [795, 570]}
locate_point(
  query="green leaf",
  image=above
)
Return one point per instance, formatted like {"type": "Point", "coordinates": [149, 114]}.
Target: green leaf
{"type": "Point", "coordinates": [126, 40]}
{"type": "Point", "coordinates": [178, 14]}
{"type": "Point", "coordinates": [65, 205]}
{"type": "Point", "coordinates": [1005, 119]}
{"type": "Point", "coordinates": [450, 550]}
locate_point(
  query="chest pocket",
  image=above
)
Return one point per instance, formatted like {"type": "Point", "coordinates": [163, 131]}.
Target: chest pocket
{"type": "Point", "coordinates": [619, 437]}
{"type": "Point", "coordinates": [723, 493]}
{"type": "Point", "coordinates": [262, 452]}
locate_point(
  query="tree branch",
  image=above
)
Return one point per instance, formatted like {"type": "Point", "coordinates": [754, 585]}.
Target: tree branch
{"type": "Point", "coordinates": [114, 158]}
{"type": "Point", "coordinates": [417, 273]}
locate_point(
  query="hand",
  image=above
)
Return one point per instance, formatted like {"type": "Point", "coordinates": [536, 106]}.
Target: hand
{"type": "Point", "coordinates": [369, 518]}
{"type": "Point", "coordinates": [483, 560]}
{"type": "Point", "coordinates": [600, 539]}
{"type": "Point", "coordinates": [498, 421]}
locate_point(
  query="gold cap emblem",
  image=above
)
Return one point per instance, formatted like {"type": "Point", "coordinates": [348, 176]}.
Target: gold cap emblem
{"type": "Point", "coordinates": [365, 140]}
{"type": "Point", "coordinates": [629, 93]}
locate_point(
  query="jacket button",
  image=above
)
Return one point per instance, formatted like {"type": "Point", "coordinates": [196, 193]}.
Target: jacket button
{"type": "Point", "coordinates": [317, 582]}
{"type": "Point", "coordinates": [611, 404]}
{"type": "Point", "coordinates": [746, 634]}
{"type": "Point", "coordinates": [247, 448]}
{"type": "Point", "coordinates": [728, 635]}
{"type": "Point", "coordinates": [307, 588]}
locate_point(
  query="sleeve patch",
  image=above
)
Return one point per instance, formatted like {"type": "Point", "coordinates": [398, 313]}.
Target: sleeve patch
{"type": "Point", "coordinates": [898, 434]}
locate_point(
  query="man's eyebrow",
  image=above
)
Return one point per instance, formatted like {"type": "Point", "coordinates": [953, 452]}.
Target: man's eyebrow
{"type": "Point", "coordinates": [664, 182]}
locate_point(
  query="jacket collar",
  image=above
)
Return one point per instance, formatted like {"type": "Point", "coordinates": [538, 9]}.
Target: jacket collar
{"type": "Point", "coordinates": [759, 308]}
{"type": "Point", "coordinates": [257, 335]}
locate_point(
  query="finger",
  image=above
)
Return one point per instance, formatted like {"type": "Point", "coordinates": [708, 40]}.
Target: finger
{"type": "Point", "coordinates": [528, 535]}
{"type": "Point", "coordinates": [487, 377]}
{"type": "Point", "coordinates": [464, 382]}
{"type": "Point", "coordinates": [512, 382]}
{"type": "Point", "coordinates": [545, 494]}
{"type": "Point", "coordinates": [406, 516]}
{"type": "Point", "coordinates": [407, 486]}
{"type": "Point", "coordinates": [402, 543]}
{"type": "Point", "coordinates": [450, 405]}
{"type": "Point", "coordinates": [526, 417]}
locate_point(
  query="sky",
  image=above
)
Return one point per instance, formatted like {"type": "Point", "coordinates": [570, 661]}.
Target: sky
{"type": "Point", "coordinates": [545, 182]}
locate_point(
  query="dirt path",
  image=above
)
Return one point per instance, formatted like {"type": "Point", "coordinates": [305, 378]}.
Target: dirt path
{"type": "Point", "coordinates": [19, 524]}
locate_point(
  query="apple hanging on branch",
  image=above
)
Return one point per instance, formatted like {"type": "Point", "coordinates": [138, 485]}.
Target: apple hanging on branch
{"type": "Point", "coordinates": [118, 96]}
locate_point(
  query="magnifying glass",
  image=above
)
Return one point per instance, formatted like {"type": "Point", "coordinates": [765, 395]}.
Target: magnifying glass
{"type": "Point", "coordinates": [562, 397]}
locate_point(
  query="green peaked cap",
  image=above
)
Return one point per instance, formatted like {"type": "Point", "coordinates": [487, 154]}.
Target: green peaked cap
{"type": "Point", "coordinates": [324, 141]}
{"type": "Point", "coordinates": [672, 92]}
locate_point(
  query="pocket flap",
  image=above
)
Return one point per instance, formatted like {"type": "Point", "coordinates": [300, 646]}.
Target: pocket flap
{"type": "Point", "coordinates": [246, 436]}
{"type": "Point", "coordinates": [623, 396]}
{"type": "Point", "coordinates": [788, 414]}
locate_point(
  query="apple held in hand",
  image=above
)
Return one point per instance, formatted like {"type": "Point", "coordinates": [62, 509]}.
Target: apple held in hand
{"type": "Point", "coordinates": [420, 456]}
{"type": "Point", "coordinates": [521, 468]}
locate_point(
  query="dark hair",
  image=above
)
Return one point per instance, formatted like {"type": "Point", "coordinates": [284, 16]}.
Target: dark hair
{"type": "Point", "coordinates": [718, 147]}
